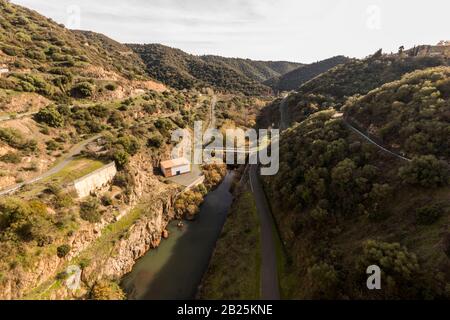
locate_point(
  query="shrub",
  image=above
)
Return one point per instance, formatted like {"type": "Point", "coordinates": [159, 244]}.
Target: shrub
{"type": "Point", "coordinates": [16, 140]}
{"type": "Point", "coordinates": [106, 201]}
{"type": "Point", "coordinates": [35, 54]}
{"type": "Point", "coordinates": [111, 86]}
{"type": "Point", "coordinates": [130, 144]}
{"type": "Point", "coordinates": [63, 275]}
{"type": "Point", "coordinates": [425, 171]}
{"type": "Point", "coordinates": [107, 290]}
{"type": "Point", "coordinates": [99, 111]}
{"type": "Point", "coordinates": [120, 157]}
{"type": "Point", "coordinates": [116, 119]}
{"type": "Point", "coordinates": [89, 210]}
{"type": "Point", "coordinates": [63, 200]}
{"type": "Point", "coordinates": [428, 214]}
{"type": "Point", "coordinates": [84, 263]}
{"type": "Point", "coordinates": [150, 108]}
{"type": "Point", "coordinates": [53, 188]}
{"type": "Point", "coordinates": [399, 266]}
{"type": "Point", "coordinates": [155, 142]}
{"type": "Point", "coordinates": [11, 157]}
{"type": "Point", "coordinates": [63, 250]}
{"type": "Point", "coordinates": [10, 51]}
{"type": "Point", "coordinates": [82, 90]}
{"type": "Point", "coordinates": [52, 145]}
{"type": "Point", "coordinates": [120, 180]}
{"type": "Point", "coordinates": [50, 116]}
{"type": "Point", "coordinates": [322, 281]}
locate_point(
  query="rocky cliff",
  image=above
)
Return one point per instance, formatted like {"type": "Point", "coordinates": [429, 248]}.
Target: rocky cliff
{"type": "Point", "coordinates": [111, 251]}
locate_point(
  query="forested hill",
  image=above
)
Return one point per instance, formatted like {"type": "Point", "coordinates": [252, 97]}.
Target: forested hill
{"type": "Point", "coordinates": [342, 202]}
{"type": "Point", "coordinates": [253, 69]}
{"type": "Point", "coordinates": [295, 78]}
{"type": "Point", "coordinates": [331, 89]}
{"type": "Point", "coordinates": [33, 41]}
{"type": "Point", "coordinates": [183, 71]}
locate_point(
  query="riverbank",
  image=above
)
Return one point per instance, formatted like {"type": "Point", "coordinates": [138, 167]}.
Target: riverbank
{"type": "Point", "coordinates": [234, 270]}
{"type": "Point", "coordinates": [175, 268]}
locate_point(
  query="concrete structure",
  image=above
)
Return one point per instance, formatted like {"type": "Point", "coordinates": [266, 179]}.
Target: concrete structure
{"type": "Point", "coordinates": [95, 181]}
{"type": "Point", "coordinates": [175, 167]}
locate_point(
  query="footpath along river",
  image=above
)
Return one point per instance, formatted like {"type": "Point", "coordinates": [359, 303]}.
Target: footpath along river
{"type": "Point", "coordinates": [175, 269]}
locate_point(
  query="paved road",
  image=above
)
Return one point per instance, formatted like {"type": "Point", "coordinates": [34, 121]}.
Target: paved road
{"type": "Point", "coordinates": [212, 121]}
{"type": "Point", "coordinates": [374, 143]}
{"type": "Point", "coordinates": [66, 159]}
{"type": "Point", "coordinates": [17, 116]}
{"type": "Point", "coordinates": [269, 273]}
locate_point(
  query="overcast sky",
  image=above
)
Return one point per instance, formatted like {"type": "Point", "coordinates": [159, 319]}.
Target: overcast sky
{"type": "Point", "coordinates": [295, 30]}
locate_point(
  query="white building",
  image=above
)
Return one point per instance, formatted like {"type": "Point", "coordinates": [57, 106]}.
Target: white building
{"type": "Point", "coordinates": [175, 167]}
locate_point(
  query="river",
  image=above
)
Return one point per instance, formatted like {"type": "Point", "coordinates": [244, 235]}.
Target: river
{"type": "Point", "coordinates": [175, 269]}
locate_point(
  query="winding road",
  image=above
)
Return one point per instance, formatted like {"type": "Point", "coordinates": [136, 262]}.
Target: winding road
{"type": "Point", "coordinates": [269, 272]}
{"type": "Point", "coordinates": [16, 116]}
{"type": "Point", "coordinates": [368, 139]}
{"type": "Point", "coordinates": [55, 169]}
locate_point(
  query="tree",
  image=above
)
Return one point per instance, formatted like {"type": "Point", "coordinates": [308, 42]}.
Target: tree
{"type": "Point", "coordinates": [107, 290]}
{"type": "Point", "coordinates": [82, 90]}
{"type": "Point", "coordinates": [155, 142]}
{"type": "Point", "coordinates": [50, 116]}
{"type": "Point", "coordinates": [89, 210]}
{"type": "Point", "coordinates": [121, 157]}
{"type": "Point", "coordinates": [425, 171]}
{"type": "Point", "coordinates": [63, 250]}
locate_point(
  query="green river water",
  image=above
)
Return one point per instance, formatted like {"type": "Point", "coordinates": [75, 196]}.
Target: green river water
{"type": "Point", "coordinates": [174, 270]}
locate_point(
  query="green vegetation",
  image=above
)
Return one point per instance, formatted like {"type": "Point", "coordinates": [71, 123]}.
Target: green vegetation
{"type": "Point", "coordinates": [188, 203]}
{"type": "Point", "coordinates": [23, 220]}
{"type": "Point", "coordinates": [400, 268]}
{"type": "Point", "coordinates": [334, 192]}
{"type": "Point", "coordinates": [48, 58]}
{"type": "Point", "coordinates": [333, 88]}
{"type": "Point", "coordinates": [238, 249]}
{"type": "Point", "coordinates": [50, 116]}
{"type": "Point", "coordinates": [426, 171]}
{"type": "Point", "coordinates": [11, 158]}
{"type": "Point", "coordinates": [184, 71]}
{"type": "Point", "coordinates": [257, 70]}
{"type": "Point", "coordinates": [107, 290]}
{"type": "Point", "coordinates": [63, 250]}
{"type": "Point", "coordinates": [16, 140]}
{"type": "Point", "coordinates": [295, 78]}
{"type": "Point", "coordinates": [82, 90]}
{"type": "Point", "coordinates": [89, 210]}
{"type": "Point", "coordinates": [411, 114]}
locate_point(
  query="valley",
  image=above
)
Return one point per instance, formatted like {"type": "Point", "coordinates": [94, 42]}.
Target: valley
{"type": "Point", "coordinates": [88, 213]}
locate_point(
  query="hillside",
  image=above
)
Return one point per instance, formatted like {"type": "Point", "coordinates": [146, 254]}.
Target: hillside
{"type": "Point", "coordinates": [410, 115]}
{"type": "Point", "coordinates": [257, 70]}
{"type": "Point", "coordinates": [45, 58]}
{"type": "Point", "coordinates": [294, 79]}
{"type": "Point", "coordinates": [184, 71]}
{"type": "Point", "coordinates": [356, 77]}
{"type": "Point", "coordinates": [342, 205]}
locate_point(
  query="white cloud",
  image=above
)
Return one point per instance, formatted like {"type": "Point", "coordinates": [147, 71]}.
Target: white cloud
{"type": "Point", "coordinates": [262, 29]}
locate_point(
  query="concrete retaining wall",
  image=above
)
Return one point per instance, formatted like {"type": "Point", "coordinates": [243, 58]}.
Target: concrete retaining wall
{"type": "Point", "coordinates": [94, 181]}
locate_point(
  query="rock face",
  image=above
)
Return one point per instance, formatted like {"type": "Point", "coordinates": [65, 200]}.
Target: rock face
{"type": "Point", "coordinates": [144, 234]}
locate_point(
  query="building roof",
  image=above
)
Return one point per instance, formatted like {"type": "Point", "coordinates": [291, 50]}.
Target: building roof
{"type": "Point", "coordinates": [174, 163]}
